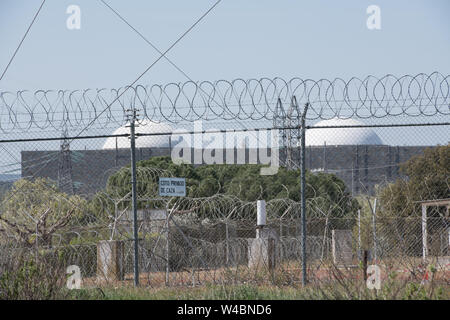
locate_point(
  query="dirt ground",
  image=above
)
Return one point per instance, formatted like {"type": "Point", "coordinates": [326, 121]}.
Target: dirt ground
{"type": "Point", "coordinates": [286, 274]}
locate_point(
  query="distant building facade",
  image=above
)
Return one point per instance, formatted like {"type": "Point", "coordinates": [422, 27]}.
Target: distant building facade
{"type": "Point", "coordinates": [347, 148]}
{"type": "Point", "coordinates": [361, 167]}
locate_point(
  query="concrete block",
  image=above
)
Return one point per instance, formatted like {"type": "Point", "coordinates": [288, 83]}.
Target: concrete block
{"type": "Point", "coordinates": [341, 242]}
{"type": "Point", "coordinates": [262, 253]}
{"type": "Point", "coordinates": [264, 250]}
{"type": "Point", "coordinates": [110, 257]}
{"type": "Point", "coordinates": [266, 232]}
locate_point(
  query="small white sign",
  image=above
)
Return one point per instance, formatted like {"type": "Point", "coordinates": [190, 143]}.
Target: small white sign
{"type": "Point", "coordinates": [172, 187]}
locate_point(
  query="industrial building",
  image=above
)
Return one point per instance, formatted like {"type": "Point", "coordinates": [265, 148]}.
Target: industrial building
{"type": "Point", "coordinates": [356, 155]}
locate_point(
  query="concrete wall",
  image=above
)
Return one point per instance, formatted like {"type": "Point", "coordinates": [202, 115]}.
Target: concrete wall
{"type": "Point", "coordinates": [361, 167]}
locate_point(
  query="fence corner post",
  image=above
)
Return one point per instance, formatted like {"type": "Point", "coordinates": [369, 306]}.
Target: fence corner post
{"type": "Point", "coordinates": [303, 192]}
{"type": "Point", "coordinates": [132, 118]}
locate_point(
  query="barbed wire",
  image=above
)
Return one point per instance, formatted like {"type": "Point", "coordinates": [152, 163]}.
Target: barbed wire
{"type": "Point", "coordinates": [207, 240]}
{"type": "Point", "coordinates": [238, 99]}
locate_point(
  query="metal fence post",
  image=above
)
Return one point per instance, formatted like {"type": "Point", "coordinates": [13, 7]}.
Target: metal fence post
{"type": "Point", "coordinates": [303, 194]}
{"type": "Point", "coordinates": [374, 221]}
{"type": "Point", "coordinates": [364, 261]}
{"type": "Point", "coordinates": [134, 196]}
{"type": "Point", "coordinates": [167, 251]}
{"type": "Point", "coordinates": [359, 234]}
{"type": "Point", "coordinates": [227, 245]}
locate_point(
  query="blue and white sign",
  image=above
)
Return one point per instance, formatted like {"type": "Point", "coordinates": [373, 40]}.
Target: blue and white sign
{"type": "Point", "coordinates": [172, 187]}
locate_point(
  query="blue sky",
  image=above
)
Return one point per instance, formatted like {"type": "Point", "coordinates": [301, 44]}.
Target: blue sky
{"type": "Point", "coordinates": [239, 39]}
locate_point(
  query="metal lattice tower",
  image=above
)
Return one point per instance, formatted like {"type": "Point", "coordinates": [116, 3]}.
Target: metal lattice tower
{"type": "Point", "coordinates": [279, 122]}
{"type": "Point", "coordinates": [65, 182]}
{"type": "Point", "coordinates": [294, 133]}
{"type": "Point", "coordinates": [289, 125]}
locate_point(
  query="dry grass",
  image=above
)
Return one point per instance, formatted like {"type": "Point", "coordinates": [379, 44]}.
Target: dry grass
{"type": "Point", "coordinates": [287, 274]}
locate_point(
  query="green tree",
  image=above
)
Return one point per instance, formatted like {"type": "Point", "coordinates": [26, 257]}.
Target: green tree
{"type": "Point", "coordinates": [242, 181]}
{"type": "Point", "coordinates": [36, 207]}
{"type": "Point", "coordinates": [428, 177]}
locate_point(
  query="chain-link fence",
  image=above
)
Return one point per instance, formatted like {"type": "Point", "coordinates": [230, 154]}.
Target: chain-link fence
{"type": "Point", "coordinates": [375, 189]}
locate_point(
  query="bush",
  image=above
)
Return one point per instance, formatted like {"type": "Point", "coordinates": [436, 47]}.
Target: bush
{"type": "Point", "coordinates": [23, 277]}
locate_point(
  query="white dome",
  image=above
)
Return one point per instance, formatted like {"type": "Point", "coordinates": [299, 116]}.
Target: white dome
{"type": "Point", "coordinates": [161, 141]}
{"type": "Point", "coordinates": [341, 136]}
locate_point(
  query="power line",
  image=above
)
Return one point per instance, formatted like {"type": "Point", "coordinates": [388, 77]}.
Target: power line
{"type": "Point", "coordinates": [156, 61]}
{"type": "Point", "coordinates": [23, 38]}
{"type": "Point", "coordinates": [145, 39]}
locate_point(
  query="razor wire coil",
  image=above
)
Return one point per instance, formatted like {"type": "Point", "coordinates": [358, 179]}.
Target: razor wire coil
{"type": "Point", "coordinates": [238, 99]}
